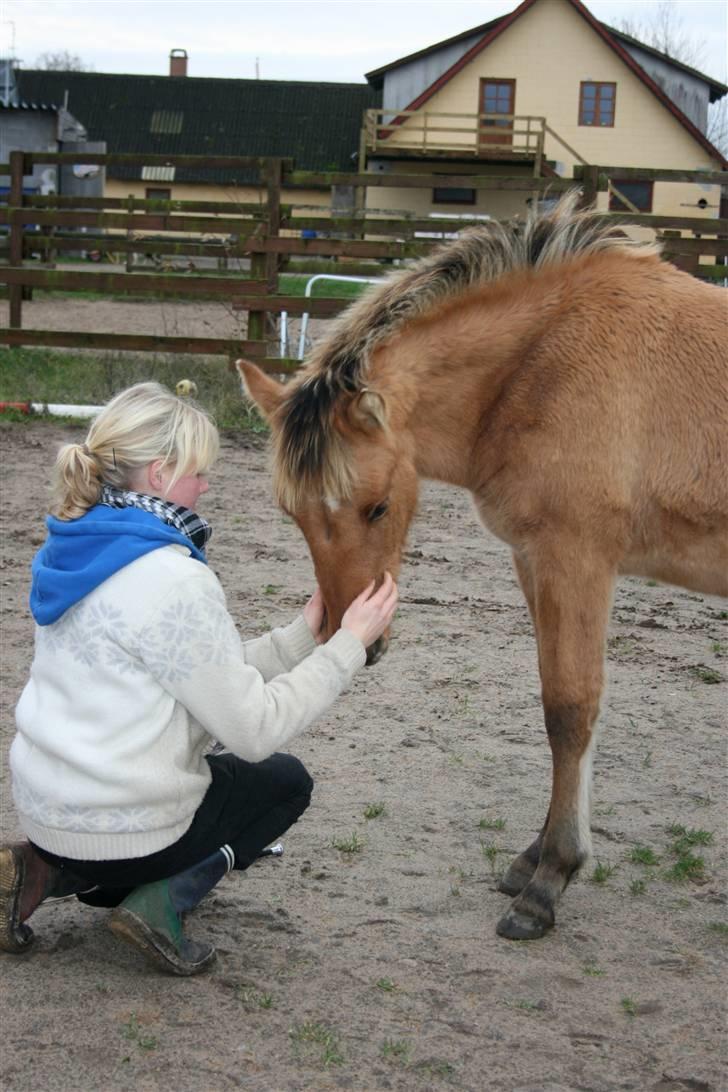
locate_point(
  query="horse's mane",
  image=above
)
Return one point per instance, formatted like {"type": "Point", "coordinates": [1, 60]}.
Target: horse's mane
{"type": "Point", "coordinates": [309, 451]}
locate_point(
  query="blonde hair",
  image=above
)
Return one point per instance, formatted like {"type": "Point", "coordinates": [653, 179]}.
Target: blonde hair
{"type": "Point", "coordinates": [141, 424]}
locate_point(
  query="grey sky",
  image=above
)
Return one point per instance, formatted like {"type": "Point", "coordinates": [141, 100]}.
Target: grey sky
{"type": "Point", "coordinates": [336, 40]}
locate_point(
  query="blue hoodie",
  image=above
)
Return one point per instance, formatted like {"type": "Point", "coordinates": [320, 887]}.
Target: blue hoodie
{"type": "Point", "coordinates": [80, 554]}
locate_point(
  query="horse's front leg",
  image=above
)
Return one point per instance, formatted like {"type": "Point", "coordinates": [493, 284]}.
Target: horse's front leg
{"type": "Point", "coordinates": [526, 863]}
{"type": "Point", "coordinates": [572, 591]}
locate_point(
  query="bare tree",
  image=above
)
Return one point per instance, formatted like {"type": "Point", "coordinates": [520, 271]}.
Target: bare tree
{"type": "Point", "coordinates": [63, 61]}
{"type": "Point", "coordinates": [665, 30]}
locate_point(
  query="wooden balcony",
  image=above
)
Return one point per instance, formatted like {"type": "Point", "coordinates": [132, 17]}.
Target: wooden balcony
{"type": "Point", "coordinates": [426, 134]}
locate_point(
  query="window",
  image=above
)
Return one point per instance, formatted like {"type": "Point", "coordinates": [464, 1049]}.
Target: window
{"type": "Point", "coordinates": [596, 103]}
{"type": "Point", "coordinates": [157, 193]}
{"type": "Point", "coordinates": [639, 193]}
{"type": "Point", "coordinates": [166, 121]}
{"type": "Point", "coordinates": [450, 195]}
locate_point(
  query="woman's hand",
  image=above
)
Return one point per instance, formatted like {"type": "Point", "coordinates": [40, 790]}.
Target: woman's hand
{"type": "Point", "coordinates": [313, 613]}
{"type": "Point", "coordinates": [372, 611]}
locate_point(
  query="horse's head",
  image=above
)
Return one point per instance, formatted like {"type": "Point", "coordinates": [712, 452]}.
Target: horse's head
{"type": "Point", "coordinates": [347, 477]}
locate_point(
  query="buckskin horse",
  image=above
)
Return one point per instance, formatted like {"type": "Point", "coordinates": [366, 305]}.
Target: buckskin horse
{"type": "Point", "coordinates": [577, 386]}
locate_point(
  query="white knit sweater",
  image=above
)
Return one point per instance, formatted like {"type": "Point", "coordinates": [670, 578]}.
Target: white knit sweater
{"type": "Point", "coordinates": [128, 687]}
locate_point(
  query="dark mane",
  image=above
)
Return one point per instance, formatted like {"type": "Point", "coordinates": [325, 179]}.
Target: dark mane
{"type": "Point", "coordinates": [308, 450]}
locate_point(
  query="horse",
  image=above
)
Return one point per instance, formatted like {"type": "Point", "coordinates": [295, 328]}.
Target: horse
{"type": "Point", "coordinates": [577, 386]}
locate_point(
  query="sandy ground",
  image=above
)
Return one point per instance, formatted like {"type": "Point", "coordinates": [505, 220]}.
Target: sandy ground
{"type": "Point", "coordinates": [380, 968]}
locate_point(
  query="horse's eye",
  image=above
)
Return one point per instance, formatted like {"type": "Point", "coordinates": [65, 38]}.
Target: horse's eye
{"type": "Point", "coordinates": [377, 511]}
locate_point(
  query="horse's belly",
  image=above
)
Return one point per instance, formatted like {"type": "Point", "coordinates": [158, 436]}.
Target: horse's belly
{"type": "Point", "coordinates": [695, 561]}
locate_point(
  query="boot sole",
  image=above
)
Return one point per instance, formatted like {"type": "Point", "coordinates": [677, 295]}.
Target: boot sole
{"type": "Point", "coordinates": [132, 929]}
{"type": "Point", "coordinates": [14, 936]}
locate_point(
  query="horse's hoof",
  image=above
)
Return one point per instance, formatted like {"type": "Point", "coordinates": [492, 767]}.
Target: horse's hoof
{"type": "Point", "coordinates": [515, 925]}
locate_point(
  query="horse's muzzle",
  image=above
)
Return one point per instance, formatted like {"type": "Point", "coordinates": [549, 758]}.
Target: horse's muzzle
{"type": "Point", "coordinates": [377, 650]}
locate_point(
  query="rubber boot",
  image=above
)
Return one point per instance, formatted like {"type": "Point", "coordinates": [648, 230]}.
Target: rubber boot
{"type": "Point", "coordinates": [26, 880]}
{"type": "Point", "coordinates": [150, 918]}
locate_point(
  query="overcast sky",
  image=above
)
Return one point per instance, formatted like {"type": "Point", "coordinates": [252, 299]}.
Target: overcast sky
{"type": "Point", "coordinates": [335, 40]}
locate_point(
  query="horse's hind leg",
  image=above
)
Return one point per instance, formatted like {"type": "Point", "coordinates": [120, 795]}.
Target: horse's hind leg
{"type": "Point", "coordinates": [572, 590]}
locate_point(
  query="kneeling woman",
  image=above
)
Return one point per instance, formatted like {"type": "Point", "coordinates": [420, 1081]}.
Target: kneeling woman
{"type": "Point", "coordinates": [138, 670]}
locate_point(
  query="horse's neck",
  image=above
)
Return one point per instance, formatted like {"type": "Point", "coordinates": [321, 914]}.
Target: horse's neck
{"type": "Point", "coordinates": [443, 376]}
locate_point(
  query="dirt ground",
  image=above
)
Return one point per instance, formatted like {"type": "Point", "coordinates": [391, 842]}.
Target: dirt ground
{"type": "Point", "coordinates": [379, 967]}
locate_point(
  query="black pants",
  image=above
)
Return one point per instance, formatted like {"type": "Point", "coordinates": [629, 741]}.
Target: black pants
{"type": "Point", "coordinates": [247, 806]}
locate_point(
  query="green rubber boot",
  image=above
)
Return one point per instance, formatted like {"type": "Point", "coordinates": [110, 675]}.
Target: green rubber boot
{"type": "Point", "coordinates": [148, 920]}
{"type": "Point", "coordinates": [151, 917]}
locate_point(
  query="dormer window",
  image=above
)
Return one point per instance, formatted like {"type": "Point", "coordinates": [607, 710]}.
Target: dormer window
{"type": "Point", "coordinates": [596, 104]}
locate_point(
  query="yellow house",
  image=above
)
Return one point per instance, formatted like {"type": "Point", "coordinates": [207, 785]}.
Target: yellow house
{"type": "Point", "coordinates": [538, 92]}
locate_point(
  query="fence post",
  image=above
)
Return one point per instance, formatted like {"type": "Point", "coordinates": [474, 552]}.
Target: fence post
{"type": "Point", "coordinates": [129, 233]}
{"type": "Point", "coordinates": [15, 198]}
{"type": "Point", "coordinates": [274, 176]}
{"type": "Point", "coordinates": [265, 266]}
{"type": "Point", "coordinates": [590, 186]}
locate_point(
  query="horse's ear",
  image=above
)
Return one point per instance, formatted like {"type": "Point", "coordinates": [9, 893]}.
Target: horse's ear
{"type": "Point", "coordinates": [368, 411]}
{"type": "Point", "coordinates": [261, 389]}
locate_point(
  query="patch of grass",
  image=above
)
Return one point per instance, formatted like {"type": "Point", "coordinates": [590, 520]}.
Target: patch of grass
{"type": "Point", "coordinates": [386, 985]}
{"type": "Point", "coordinates": [687, 837]}
{"type": "Point", "coordinates": [271, 589]}
{"type": "Point", "coordinates": [527, 1006]}
{"type": "Point", "coordinates": [89, 377]}
{"type": "Point", "coordinates": [687, 867]}
{"type": "Point", "coordinates": [490, 852]}
{"type": "Point", "coordinates": [720, 928]}
{"type": "Point", "coordinates": [315, 1034]}
{"type": "Point", "coordinates": [396, 1050]}
{"type": "Point", "coordinates": [706, 674]}
{"type": "Point", "coordinates": [643, 855]}
{"type": "Point", "coordinates": [436, 1067]}
{"type": "Point", "coordinates": [132, 1031]}
{"type": "Point", "coordinates": [374, 811]}
{"type": "Point", "coordinates": [353, 844]}
{"type": "Point", "coordinates": [590, 968]}
{"type": "Point", "coordinates": [602, 872]}
{"type": "Point", "coordinates": [492, 824]}
{"type": "Point", "coordinates": [637, 887]}
{"type": "Point", "coordinates": [629, 1005]}
{"type": "Point", "coordinates": [252, 998]}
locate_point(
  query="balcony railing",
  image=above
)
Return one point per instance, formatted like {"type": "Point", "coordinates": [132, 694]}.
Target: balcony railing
{"type": "Point", "coordinates": [485, 136]}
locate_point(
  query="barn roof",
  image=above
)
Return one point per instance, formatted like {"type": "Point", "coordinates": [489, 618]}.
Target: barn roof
{"type": "Point", "coordinates": [317, 124]}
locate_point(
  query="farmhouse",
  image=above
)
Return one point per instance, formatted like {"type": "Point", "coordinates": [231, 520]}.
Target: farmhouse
{"type": "Point", "coordinates": [542, 90]}
{"type": "Point", "coordinates": [537, 92]}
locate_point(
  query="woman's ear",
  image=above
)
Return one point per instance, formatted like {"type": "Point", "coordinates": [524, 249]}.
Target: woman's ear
{"type": "Point", "coordinates": [154, 474]}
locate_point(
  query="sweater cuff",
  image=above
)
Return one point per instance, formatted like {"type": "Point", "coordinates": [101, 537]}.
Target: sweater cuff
{"type": "Point", "coordinates": [299, 639]}
{"type": "Point", "coordinates": [348, 649]}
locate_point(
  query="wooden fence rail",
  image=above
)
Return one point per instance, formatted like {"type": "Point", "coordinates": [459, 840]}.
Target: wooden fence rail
{"type": "Point", "coordinates": [265, 235]}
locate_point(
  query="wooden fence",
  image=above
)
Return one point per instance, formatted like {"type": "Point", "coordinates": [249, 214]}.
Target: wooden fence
{"type": "Point", "coordinates": [267, 234]}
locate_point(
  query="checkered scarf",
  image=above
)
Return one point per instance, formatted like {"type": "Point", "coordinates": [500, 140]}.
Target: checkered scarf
{"type": "Point", "coordinates": [187, 522]}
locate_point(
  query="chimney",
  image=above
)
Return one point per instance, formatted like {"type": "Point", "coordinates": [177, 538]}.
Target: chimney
{"type": "Point", "coordinates": [178, 62]}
